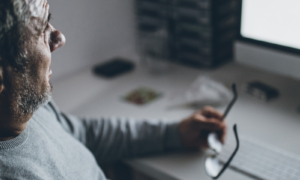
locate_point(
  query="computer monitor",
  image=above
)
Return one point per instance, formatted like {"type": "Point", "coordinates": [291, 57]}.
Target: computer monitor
{"type": "Point", "coordinates": [269, 35]}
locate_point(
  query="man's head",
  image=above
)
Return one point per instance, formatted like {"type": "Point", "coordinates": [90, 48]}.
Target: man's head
{"type": "Point", "coordinates": [26, 42]}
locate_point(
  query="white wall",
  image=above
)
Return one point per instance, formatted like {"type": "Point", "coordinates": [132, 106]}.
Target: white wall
{"type": "Point", "coordinates": [95, 30]}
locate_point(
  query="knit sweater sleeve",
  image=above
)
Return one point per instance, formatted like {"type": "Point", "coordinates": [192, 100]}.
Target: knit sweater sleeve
{"type": "Point", "coordinates": [111, 139]}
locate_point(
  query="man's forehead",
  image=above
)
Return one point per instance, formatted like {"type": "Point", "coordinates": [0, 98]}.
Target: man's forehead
{"type": "Point", "coordinates": [35, 7]}
{"type": "Point", "coordinates": [36, 14]}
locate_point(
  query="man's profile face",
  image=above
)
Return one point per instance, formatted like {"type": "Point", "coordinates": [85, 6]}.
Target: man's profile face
{"type": "Point", "coordinates": [45, 39]}
{"type": "Point", "coordinates": [32, 88]}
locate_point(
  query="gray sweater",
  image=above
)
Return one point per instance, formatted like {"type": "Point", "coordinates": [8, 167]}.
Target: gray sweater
{"type": "Point", "coordinates": [57, 146]}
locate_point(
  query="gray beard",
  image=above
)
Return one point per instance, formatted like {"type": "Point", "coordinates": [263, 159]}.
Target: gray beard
{"type": "Point", "coordinates": [28, 99]}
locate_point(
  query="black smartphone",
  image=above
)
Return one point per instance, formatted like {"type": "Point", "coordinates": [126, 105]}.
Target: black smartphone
{"type": "Point", "coordinates": [113, 68]}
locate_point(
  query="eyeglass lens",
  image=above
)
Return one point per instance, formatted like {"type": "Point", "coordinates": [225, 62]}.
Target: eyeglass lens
{"type": "Point", "coordinates": [213, 166]}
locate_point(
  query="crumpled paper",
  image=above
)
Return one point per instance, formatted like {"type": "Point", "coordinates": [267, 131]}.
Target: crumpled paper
{"type": "Point", "coordinates": [204, 91]}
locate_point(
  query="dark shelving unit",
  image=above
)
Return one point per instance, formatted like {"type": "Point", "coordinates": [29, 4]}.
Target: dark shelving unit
{"type": "Point", "coordinates": [200, 32]}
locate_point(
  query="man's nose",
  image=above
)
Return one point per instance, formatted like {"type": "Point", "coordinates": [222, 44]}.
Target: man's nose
{"type": "Point", "coordinates": [57, 40]}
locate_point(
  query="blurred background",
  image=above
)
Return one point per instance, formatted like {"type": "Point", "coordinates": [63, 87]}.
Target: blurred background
{"type": "Point", "coordinates": [198, 33]}
{"type": "Point", "coordinates": [95, 31]}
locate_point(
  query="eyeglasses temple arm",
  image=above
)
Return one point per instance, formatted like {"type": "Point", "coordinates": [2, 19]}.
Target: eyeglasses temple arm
{"type": "Point", "coordinates": [232, 101]}
{"type": "Point", "coordinates": [233, 154]}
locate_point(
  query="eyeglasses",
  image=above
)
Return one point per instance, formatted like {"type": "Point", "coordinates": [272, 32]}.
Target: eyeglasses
{"type": "Point", "coordinates": [213, 167]}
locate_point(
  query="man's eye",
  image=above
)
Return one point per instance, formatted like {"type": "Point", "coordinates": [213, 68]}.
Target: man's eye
{"type": "Point", "coordinates": [47, 26]}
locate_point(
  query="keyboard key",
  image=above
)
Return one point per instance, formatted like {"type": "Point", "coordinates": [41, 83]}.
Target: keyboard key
{"type": "Point", "coordinates": [263, 161]}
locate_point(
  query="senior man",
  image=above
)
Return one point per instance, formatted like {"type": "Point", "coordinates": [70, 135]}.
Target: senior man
{"type": "Point", "coordinates": [38, 141]}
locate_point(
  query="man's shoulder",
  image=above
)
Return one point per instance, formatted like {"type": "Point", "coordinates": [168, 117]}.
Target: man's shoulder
{"type": "Point", "coordinates": [51, 107]}
{"type": "Point", "coordinates": [48, 112]}
{"type": "Point", "coordinates": [52, 114]}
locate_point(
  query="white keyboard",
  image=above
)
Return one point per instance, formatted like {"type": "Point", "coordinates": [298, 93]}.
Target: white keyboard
{"type": "Point", "coordinates": [261, 161]}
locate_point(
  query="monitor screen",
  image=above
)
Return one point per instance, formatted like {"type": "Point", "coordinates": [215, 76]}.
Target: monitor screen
{"type": "Point", "coordinates": [272, 21]}
{"type": "Point", "coordinates": [269, 36]}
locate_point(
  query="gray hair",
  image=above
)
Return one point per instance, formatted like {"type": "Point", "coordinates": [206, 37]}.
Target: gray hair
{"type": "Point", "coordinates": [13, 20]}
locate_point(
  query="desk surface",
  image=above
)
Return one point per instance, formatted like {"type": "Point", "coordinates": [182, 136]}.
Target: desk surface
{"type": "Point", "coordinates": [276, 122]}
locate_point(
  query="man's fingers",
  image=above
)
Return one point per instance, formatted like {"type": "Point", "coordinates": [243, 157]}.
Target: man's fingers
{"type": "Point", "coordinates": [222, 134]}
{"type": "Point", "coordinates": [209, 123]}
{"type": "Point", "coordinates": [211, 112]}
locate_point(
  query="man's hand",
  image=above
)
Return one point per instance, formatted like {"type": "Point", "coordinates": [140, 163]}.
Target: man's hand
{"type": "Point", "coordinates": [195, 129]}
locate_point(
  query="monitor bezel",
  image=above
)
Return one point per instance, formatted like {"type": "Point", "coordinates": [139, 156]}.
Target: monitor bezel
{"type": "Point", "coordinates": [258, 42]}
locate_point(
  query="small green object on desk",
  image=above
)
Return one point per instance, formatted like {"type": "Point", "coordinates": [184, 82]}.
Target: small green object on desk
{"type": "Point", "coordinates": [142, 96]}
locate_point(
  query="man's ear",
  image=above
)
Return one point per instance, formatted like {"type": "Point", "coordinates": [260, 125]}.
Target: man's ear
{"type": "Point", "coordinates": [1, 76]}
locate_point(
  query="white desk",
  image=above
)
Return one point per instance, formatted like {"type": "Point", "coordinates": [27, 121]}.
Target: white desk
{"type": "Point", "coordinates": [276, 122]}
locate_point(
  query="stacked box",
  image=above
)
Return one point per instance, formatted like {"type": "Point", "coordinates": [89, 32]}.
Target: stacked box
{"type": "Point", "coordinates": [200, 32]}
